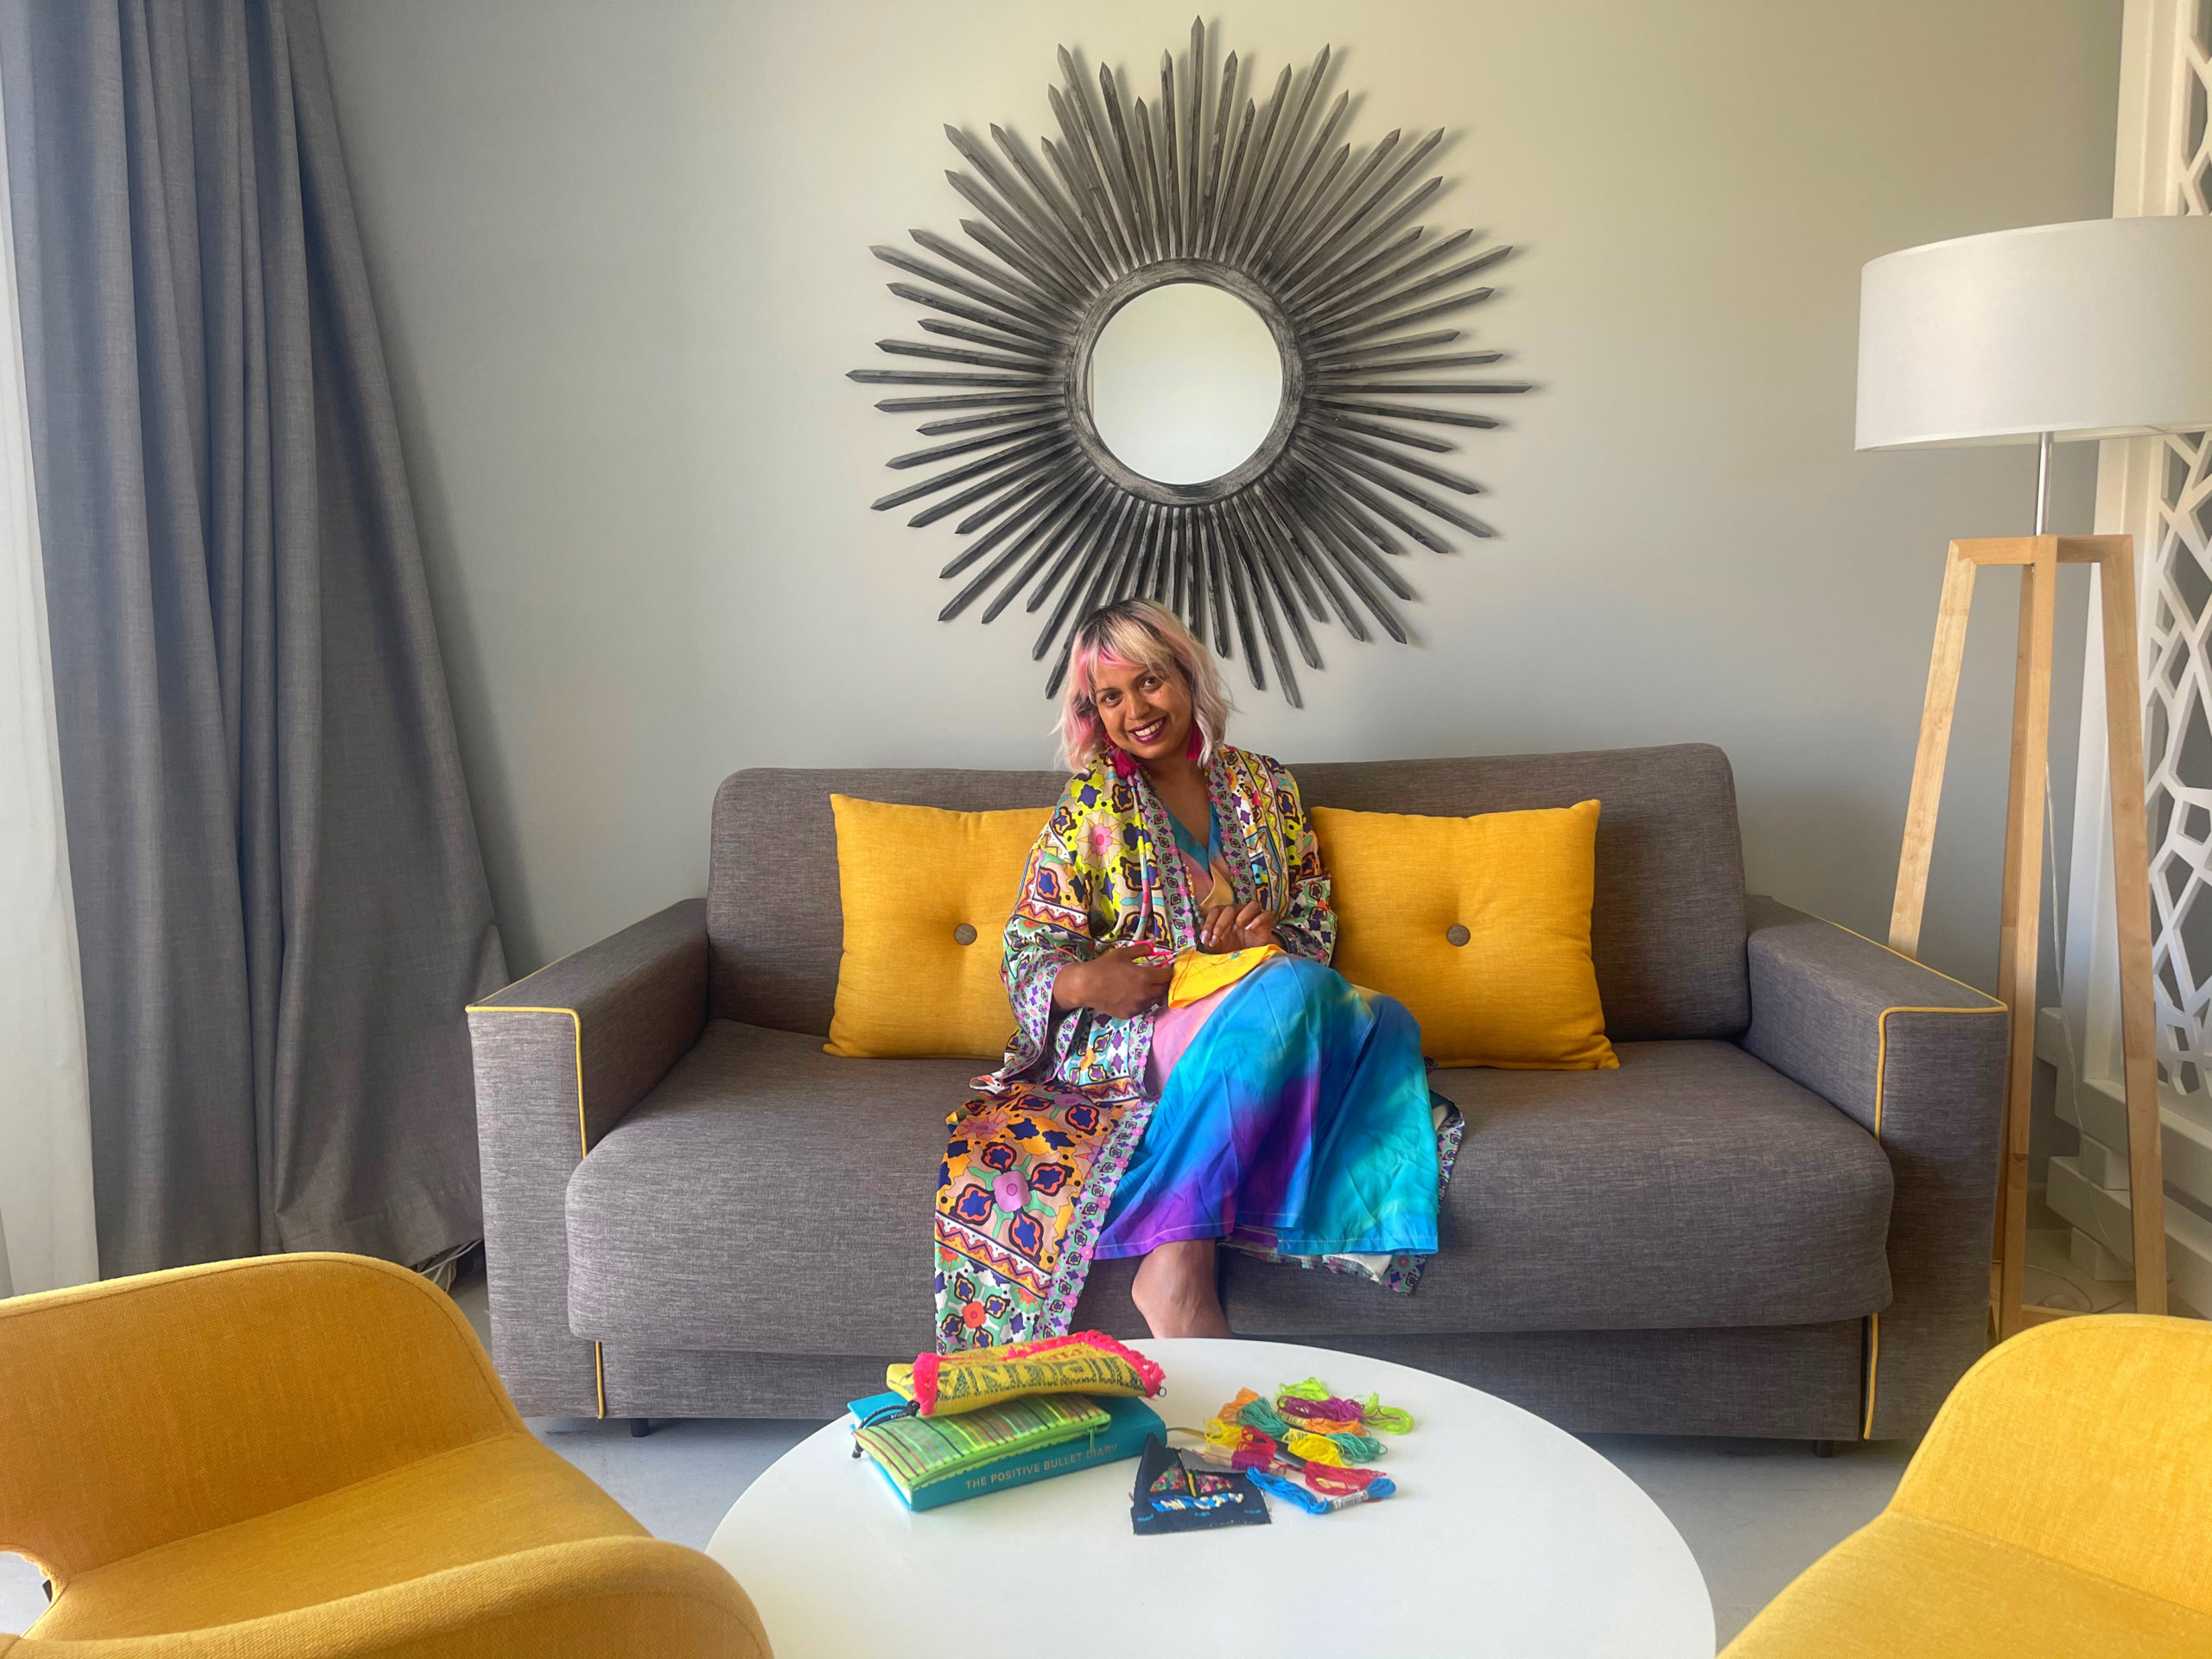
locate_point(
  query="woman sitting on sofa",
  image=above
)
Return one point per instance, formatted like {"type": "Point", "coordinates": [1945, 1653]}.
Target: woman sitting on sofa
{"type": "Point", "coordinates": [1271, 1105]}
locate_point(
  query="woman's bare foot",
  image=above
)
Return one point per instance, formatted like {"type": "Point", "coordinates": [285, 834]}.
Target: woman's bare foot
{"type": "Point", "coordinates": [1174, 1291]}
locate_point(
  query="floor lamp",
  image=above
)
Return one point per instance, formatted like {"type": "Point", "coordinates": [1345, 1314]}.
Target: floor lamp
{"type": "Point", "coordinates": [2092, 330]}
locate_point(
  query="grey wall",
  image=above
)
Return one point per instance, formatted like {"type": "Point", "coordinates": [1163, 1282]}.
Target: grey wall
{"type": "Point", "coordinates": [621, 258]}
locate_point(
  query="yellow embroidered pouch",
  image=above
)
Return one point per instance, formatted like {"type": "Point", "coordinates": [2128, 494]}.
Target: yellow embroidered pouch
{"type": "Point", "coordinates": [1198, 976]}
{"type": "Point", "coordinates": [1089, 1362]}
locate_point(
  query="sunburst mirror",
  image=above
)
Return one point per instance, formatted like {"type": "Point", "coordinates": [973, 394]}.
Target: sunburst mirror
{"type": "Point", "coordinates": [1194, 355]}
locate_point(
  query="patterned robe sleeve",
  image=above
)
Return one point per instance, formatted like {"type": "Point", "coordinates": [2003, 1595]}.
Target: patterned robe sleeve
{"type": "Point", "coordinates": [1070, 909]}
{"type": "Point", "coordinates": [1307, 926]}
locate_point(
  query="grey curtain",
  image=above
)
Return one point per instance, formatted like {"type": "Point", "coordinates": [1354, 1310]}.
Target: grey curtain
{"type": "Point", "coordinates": [281, 904]}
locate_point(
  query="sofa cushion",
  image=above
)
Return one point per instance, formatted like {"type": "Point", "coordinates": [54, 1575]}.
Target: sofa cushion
{"type": "Point", "coordinates": [768, 1198]}
{"type": "Point", "coordinates": [1666, 920]}
{"type": "Point", "coordinates": [765, 1197]}
{"type": "Point", "coordinates": [1695, 1186]}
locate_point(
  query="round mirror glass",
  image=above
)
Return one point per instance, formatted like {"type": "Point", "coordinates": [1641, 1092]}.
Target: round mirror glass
{"type": "Point", "coordinates": [1185, 383]}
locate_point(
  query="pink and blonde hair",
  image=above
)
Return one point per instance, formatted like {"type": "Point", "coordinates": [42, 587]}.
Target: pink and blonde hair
{"type": "Point", "coordinates": [1137, 633]}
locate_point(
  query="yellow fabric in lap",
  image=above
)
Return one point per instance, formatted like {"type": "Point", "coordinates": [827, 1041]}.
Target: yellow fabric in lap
{"type": "Point", "coordinates": [1198, 976]}
{"type": "Point", "coordinates": [1520, 992]}
{"type": "Point", "coordinates": [912, 879]}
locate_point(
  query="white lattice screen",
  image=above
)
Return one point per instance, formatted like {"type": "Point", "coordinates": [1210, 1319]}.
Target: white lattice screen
{"type": "Point", "coordinates": [2177, 755]}
{"type": "Point", "coordinates": [2159, 491]}
{"type": "Point", "coordinates": [2193, 157]}
{"type": "Point", "coordinates": [2176, 598]}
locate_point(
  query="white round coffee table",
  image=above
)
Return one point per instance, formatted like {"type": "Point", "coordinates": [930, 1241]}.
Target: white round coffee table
{"type": "Point", "coordinates": [1508, 1537]}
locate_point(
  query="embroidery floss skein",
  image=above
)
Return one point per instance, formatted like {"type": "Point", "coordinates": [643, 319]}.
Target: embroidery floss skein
{"type": "Point", "coordinates": [1388, 1419]}
{"type": "Point", "coordinates": [1246, 1448]}
{"type": "Point", "coordinates": [1358, 1448]}
{"type": "Point", "coordinates": [1309, 1433]}
{"type": "Point", "coordinates": [1261, 1415]}
{"type": "Point", "coordinates": [1328, 1480]}
{"type": "Point", "coordinates": [1324, 1419]}
{"type": "Point", "coordinates": [1237, 1446]}
{"type": "Point", "coordinates": [1314, 1448]}
{"type": "Point", "coordinates": [1313, 1408]}
{"type": "Point", "coordinates": [1298, 1408]}
{"type": "Point", "coordinates": [1318, 1503]}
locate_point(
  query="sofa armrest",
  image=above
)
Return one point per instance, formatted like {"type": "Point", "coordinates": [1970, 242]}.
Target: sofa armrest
{"type": "Point", "coordinates": [561, 1057]}
{"type": "Point", "coordinates": [1916, 1060]}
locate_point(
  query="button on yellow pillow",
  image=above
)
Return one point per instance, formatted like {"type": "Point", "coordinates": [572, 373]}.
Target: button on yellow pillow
{"type": "Point", "coordinates": [926, 894]}
{"type": "Point", "coordinates": [1480, 926]}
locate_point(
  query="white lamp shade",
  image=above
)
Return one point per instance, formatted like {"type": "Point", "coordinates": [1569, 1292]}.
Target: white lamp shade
{"type": "Point", "coordinates": [2099, 329]}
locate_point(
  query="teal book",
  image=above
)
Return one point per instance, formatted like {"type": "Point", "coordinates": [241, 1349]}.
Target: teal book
{"type": "Point", "coordinates": [1128, 1421]}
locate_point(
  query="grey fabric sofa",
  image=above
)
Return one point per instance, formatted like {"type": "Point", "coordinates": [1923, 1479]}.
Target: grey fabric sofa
{"type": "Point", "coordinates": [1773, 1219]}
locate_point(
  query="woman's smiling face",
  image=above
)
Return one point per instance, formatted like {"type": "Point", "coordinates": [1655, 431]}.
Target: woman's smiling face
{"type": "Point", "coordinates": [1146, 711]}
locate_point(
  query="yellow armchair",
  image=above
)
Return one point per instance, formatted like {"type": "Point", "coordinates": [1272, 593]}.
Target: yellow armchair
{"type": "Point", "coordinates": [311, 1455]}
{"type": "Point", "coordinates": [2061, 1508]}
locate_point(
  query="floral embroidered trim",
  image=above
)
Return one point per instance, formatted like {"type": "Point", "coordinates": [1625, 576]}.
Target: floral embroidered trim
{"type": "Point", "coordinates": [1081, 1238]}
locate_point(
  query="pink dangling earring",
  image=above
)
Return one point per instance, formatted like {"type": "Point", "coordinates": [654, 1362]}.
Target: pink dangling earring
{"type": "Point", "coordinates": [1124, 763]}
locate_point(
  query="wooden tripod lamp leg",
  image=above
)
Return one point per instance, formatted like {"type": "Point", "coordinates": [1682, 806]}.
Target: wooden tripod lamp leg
{"type": "Point", "coordinates": [2020, 931]}
{"type": "Point", "coordinates": [2020, 935]}
{"type": "Point", "coordinates": [2132, 892]}
{"type": "Point", "coordinates": [1936, 715]}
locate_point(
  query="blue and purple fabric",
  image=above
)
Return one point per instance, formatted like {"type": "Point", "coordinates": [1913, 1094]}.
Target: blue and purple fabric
{"type": "Point", "coordinates": [1296, 1121]}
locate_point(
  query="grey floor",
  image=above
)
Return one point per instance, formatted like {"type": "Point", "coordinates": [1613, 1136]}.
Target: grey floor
{"type": "Point", "coordinates": [1754, 1513]}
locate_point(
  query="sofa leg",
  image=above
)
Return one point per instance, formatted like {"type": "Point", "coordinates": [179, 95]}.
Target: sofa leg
{"type": "Point", "coordinates": [641, 1427]}
{"type": "Point", "coordinates": [1824, 1448]}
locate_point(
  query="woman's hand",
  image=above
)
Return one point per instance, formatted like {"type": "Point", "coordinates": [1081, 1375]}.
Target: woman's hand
{"type": "Point", "coordinates": [1128, 980]}
{"type": "Point", "coordinates": [1236, 927]}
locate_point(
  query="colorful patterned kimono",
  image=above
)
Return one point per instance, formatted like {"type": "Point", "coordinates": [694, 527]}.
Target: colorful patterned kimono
{"type": "Point", "coordinates": [1307, 1090]}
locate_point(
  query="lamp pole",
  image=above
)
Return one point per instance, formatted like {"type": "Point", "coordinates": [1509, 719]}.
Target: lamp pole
{"type": "Point", "coordinates": [2043, 484]}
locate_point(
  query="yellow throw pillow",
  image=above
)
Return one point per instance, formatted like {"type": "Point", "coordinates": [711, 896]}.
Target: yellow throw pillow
{"type": "Point", "coordinates": [1480, 926]}
{"type": "Point", "coordinates": [926, 894]}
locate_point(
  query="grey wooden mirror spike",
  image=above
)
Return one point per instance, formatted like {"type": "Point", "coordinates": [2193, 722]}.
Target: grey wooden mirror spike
{"type": "Point", "coordinates": [1269, 203]}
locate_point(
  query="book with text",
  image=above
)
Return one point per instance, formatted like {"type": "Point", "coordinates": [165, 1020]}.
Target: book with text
{"type": "Point", "coordinates": [1129, 1422]}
